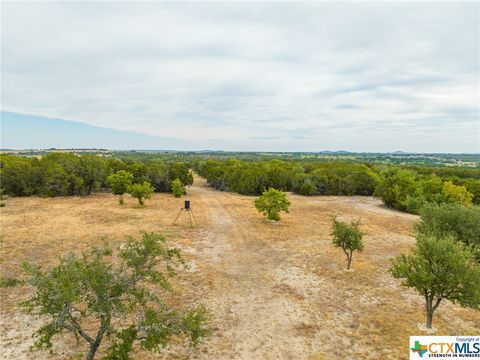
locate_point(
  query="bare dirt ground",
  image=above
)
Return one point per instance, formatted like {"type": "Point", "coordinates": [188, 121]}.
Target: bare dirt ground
{"type": "Point", "coordinates": [277, 291]}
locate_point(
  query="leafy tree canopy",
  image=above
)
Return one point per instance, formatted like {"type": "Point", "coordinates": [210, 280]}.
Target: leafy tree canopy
{"type": "Point", "coordinates": [440, 268]}
{"type": "Point", "coordinates": [271, 202]}
{"type": "Point", "coordinates": [127, 298]}
{"type": "Point", "coordinates": [348, 237]}
{"type": "Point", "coordinates": [452, 219]}
{"type": "Point", "coordinates": [119, 183]}
{"type": "Point", "coordinates": [177, 188]}
{"type": "Point", "coordinates": [141, 192]}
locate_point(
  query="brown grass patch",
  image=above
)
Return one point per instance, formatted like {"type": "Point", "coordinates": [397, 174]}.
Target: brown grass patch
{"type": "Point", "coordinates": [276, 291]}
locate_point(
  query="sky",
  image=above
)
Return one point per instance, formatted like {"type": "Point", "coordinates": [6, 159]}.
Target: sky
{"type": "Point", "coordinates": [252, 76]}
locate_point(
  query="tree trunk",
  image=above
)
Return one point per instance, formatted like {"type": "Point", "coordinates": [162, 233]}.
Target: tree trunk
{"type": "Point", "coordinates": [429, 319]}
{"type": "Point", "coordinates": [92, 350]}
{"type": "Point", "coordinates": [429, 311]}
{"type": "Point", "coordinates": [349, 261]}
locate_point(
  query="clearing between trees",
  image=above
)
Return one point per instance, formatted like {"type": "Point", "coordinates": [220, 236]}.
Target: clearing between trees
{"type": "Point", "coordinates": [276, 290]}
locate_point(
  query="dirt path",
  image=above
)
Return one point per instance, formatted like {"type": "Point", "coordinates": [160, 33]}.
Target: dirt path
{"type": "Point", "coordinates": [258, 320]}
{"type": "Point", "coordinates": [279, 291]}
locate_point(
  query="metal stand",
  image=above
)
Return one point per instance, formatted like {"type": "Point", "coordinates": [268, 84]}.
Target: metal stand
{"type": "Point", "coordinates": [190, 215]}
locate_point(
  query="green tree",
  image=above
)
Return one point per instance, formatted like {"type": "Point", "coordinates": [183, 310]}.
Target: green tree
{"type": "Point", "coordinates": [55, 180]}
{"type": "Point", "coordinates": [428, 190]}
{"type": "Point", "coordinates": [71, 164]}
{"type": "Point", "coordinates": [141, 191]}
{"type": "Point", "coordinates": [440, 268]}
{"type": "Point", "coordinates": [93, 172]}
{"type": "Point", "coordinates": [177, 188]}
{"type": "Point", "coordinates": [2, 197]}
{"type": "Point", "coordinates": [117, 295]}
{"type": "Point", "coordinates": [17, 176]}
{"type": "Point", "coordinates": [181, 171]}
{"type": "Point", "coordinates": [271, 202]}
{"type": "Point", "coordinates": [158, 175]}
{"type": "Point", "coordinates": [277, 175]}
{"type": "Point", "coordinates": [306, 186]}
{"type": "Point", "coordinates": [115, 165]}
{"type": "Point", "coordinates": [473, 187]}
{"type": "Point", "coordinates": [455, 194]}
{"type": "Point", "coordinates": [119, 183]}
{"type": "Point", "coordinates": [348, 237]}
{"type": "Point", "coordinates": [394, 186]}
{"type": "Point", "coordinates": [139, 171]}
{"type": "Point", "coordinates": [364, 180]}
{"type": "Point", "coordinates": [460, 221]}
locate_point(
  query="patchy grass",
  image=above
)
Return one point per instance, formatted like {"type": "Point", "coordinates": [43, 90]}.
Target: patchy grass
{"type": "Point", "coordinates": [10, 282]}
{"type": "Point", "coordinates": [277, 291]}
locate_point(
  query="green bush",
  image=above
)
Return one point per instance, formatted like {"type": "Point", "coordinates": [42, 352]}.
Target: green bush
{"type": "Point", "coordinates": [141, 192]}
{"type": "Point", "coordinates": [271, 202]}
{"type": "Point", "coordinates": [10, 282]}
{"type": "Point", "coordinates": [177, 188]}
{"type": "Point", "coordinates": [119, 183]}
{"type": "Point", "coordinates": [308, 187]}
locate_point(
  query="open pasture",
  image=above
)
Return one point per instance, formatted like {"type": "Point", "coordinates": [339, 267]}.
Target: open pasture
{"type": "Point", "coordinates": [277, 291]}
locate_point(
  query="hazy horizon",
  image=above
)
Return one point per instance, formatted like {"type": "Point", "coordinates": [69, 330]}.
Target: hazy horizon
{"type": "Point", "coordinates": [283, 77]}
{"type": "Point", "coordinates": [84, 134]}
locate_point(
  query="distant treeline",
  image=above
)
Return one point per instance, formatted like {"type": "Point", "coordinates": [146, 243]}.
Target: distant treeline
{"type": "Point", "coordinates": [64, 174]}
{"type": "Point", "coordinates": [407, 189]}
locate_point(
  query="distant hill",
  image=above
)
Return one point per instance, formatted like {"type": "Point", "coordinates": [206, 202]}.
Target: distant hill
{"type": "Point", "coordinates": [399, 152]}
{"type": "Point", "coordinates": [19, 131]}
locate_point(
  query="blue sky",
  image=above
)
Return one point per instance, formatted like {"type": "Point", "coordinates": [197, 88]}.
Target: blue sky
{"type": "Point", "coordinates": [20, 131]}
{"type": "Point", "coordinates": [284, 76]}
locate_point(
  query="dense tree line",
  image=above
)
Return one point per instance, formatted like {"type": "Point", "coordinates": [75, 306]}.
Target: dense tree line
{"type": "Point", "coordinates": [406, 189]}
{"type": "Point", "coordinates": [400, 187]}
{"type": "Point", "coordinates": [252, 178]}
{"type": "Point", "coordinates": [64, 174]}
{"type": "Point", "coordinates": [410, 191]}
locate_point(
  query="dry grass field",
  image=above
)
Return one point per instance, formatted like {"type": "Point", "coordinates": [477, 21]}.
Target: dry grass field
{"type": "Point", "coordinates": [277, 291]}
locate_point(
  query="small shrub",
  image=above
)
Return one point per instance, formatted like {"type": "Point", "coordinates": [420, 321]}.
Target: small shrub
{"type": "Point", "coordinates": [119, 183]}
{"type": "Point", "coordinates": [177, 188]}
{"type": "Point", "coordinates": [141, 192]}
{"type": "Point", "coordinates": [348, 237]}
{"type": "Point", "coordinates": [308, 187]}
{"type": "Point", "coordinates": [271, 202]}
{"type": "Point", "coordinates": [10, 282]}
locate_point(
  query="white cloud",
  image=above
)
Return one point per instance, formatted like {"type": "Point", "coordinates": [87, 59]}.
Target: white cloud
{"type": "Point", "coordinates": [266, 76]}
